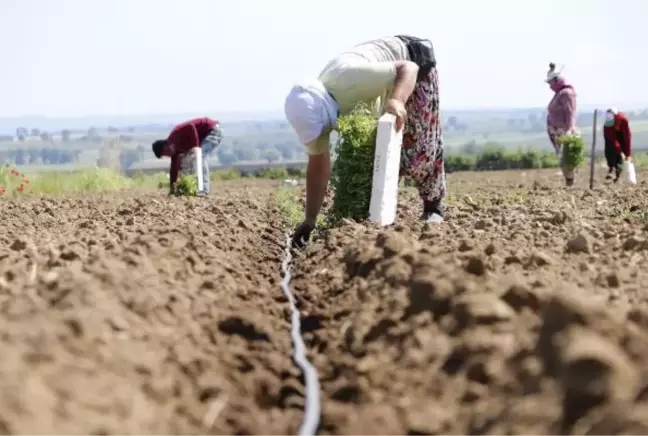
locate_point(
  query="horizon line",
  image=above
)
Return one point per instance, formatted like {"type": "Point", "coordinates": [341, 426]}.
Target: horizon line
{"type": "Point", "coordinates": [259, 111]}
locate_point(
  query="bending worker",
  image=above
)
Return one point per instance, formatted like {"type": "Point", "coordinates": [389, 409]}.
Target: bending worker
{"type": "Point", "coordinates": [618, 141]}
{"type": "Point", "coordinates": [199, 132]}
{"type": "Point", "coordinates": [396, 75]}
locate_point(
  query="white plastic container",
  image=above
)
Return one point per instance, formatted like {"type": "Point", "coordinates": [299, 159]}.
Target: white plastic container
{"type": "Point", "coordinates": [630, 170]}
{"type": "Point", "coordinates": [192, 165]}
{"type": "Point", "coordinates": [384, 189]}
{"type": "Point", "coordinates": [199, 168]}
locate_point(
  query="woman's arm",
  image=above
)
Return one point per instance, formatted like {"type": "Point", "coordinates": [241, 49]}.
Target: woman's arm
{"type": "Point", "coordinates": [406, 73]}
{"type": "Point", "coordinates": [627, 138]}
{"type": "Point", "coordinates": [317, 177]}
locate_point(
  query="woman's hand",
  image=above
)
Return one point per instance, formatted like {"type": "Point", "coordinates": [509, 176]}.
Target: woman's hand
{"type": "Point", "coordinates": [397, 108]}
{"type": "Point", "coordinates": [302, 234]}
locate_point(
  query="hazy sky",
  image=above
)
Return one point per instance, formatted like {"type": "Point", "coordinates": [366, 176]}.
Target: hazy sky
{"type": "Point", "coordinates": [80, 57]}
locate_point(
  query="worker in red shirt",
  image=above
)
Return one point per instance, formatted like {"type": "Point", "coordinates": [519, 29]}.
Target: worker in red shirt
{"type": "Point", "coordinates": [199, 132]}
{"type": "Point", "coordinates": [618, 140]}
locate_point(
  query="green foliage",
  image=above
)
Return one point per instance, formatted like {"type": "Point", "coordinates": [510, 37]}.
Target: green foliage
{"type": "Point", "coordinates": [296, 173]}
{"type": "Point", "coordinates": [158, 180]}
{"type": "Point", "coordinates": [353, 169]}
{"type": "Point", "coordinates": [496, 157]}
{"type": "Point", "coordinates": [91, 181]}
{"type": "Point", "coordinates": [229, 174]}
{"type": "Point", "coordinates": [573, 150]}
{"type": "Point", "coordinates": [289, 206]}
{"type": "Point", "coordinates": [95, 180]}
{"type": "Point", "coordinates": [12, 181]}
{"type": "Point", "coordinates": [640, 160]}
{"type": "Point", "coordinates": [491, 156]}
{"type": "Point", "coordinates": [273, 173]}
{"type": "Point", "coordinates": [44, 155]}
{"type": "Point", "coordinates": [460, 162]}
{"type": "Point", "coordinates": [187, 185]}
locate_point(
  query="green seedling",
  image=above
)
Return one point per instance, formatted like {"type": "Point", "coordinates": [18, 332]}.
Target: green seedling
{"type": "Point", "coordinates": [353, 168]}
{"type": "Point", "coordinates": [573, 150]}
{"type": "Point", "coordinates": [187, 186]}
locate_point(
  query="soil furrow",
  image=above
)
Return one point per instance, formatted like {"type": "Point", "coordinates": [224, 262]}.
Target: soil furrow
{"type": "Point", "coordinates": [131, 312]}
{"type": "Point", "coordinates": [138, 313]}
{"type": "Point", "coordinates": [522, 314]}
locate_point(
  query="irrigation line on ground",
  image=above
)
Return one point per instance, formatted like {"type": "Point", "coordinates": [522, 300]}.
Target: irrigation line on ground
{"type": "Point", "coordinates": [312, 409]}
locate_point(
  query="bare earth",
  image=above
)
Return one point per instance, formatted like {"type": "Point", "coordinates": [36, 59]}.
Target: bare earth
{"type": "Point", "coordinates": [134, 313]}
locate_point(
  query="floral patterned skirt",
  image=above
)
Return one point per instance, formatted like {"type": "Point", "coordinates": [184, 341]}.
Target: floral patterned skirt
{"type": "Point", "coordinates": [422, 156]}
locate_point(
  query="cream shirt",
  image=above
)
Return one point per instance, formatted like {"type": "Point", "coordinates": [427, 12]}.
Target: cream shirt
{"type": "Point", "coordinates": [364, 74]}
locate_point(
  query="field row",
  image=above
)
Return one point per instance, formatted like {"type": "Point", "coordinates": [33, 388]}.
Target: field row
{"type": "Point", "coordinates": [135, 312]}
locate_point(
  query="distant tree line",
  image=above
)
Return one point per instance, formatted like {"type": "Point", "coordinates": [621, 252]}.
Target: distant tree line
{"type": "Point", "coordinates": [274, 142]}
{"type": "Point", "coordinates": [268, 149]}
{"type": "Point", "coordinates": [493, 156]}
{"type": "Point", "coordinates": [232, 150]}
{"type": "Point", "coordinates": [467, 157]}
{"type": "Point", "coordinates": [237, 128]}
{"type": "Point", "coordinates": [90, 135]}
{"type": "Point", "coordinates": [528, 121]}
{"type": "Point", "coordinates": [45, 155]}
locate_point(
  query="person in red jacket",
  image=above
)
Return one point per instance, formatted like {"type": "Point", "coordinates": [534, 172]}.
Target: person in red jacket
{"type": "Point", "coordinates": [199, 132]}
{"type": "Point", "coordinates": [618, 141]}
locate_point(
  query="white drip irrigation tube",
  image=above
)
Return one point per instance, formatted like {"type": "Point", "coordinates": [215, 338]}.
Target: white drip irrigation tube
{"type": "Point", "coordinates": [312, 408]}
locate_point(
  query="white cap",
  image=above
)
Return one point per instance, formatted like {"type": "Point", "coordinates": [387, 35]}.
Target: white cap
{"type": "Point", "coordinates": [613, 110]}
{"type": "Point", "coordinates": [310, 109]}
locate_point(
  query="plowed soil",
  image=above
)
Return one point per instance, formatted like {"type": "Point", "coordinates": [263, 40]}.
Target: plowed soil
{"type": "Point", "coordinates": [524, 313]}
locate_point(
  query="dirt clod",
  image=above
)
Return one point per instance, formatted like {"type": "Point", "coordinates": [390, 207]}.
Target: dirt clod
{"type": "Point", "coordinates": [581, 242]}
{"type": "Point", "coordinates": [476, 265]}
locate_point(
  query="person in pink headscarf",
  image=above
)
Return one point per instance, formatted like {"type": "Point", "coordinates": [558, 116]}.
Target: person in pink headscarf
{"type": "Point", "coordinates": [561, 115]}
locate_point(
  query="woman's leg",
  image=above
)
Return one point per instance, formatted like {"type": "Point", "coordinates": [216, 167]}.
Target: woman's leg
{"type": "Point", "coordinates": [568, 173]}
{"type": "Point", "coordinates": [212, 140]}
{"type": "Point", "coordinates": [422, 157]}
{"type": "Point", "coordinates": [206, 174]}
{"type": "Point", "coordinates": [609, 157]}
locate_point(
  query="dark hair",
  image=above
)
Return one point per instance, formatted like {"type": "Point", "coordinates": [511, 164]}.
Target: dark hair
{"type": "Point", "coordinates": [158, 146]}
{"type": "Point", "coordinates": [421, 52]}
{"type": "Point", "coordinates": [552, 66]}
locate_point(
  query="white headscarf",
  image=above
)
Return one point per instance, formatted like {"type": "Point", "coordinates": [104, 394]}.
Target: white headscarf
{"type": "Point", "coordinates": [310, 109]}
{"type": "Point", "coordinates": [554, 72]}
{"type": "Point", "coordinates": [610, 115]}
